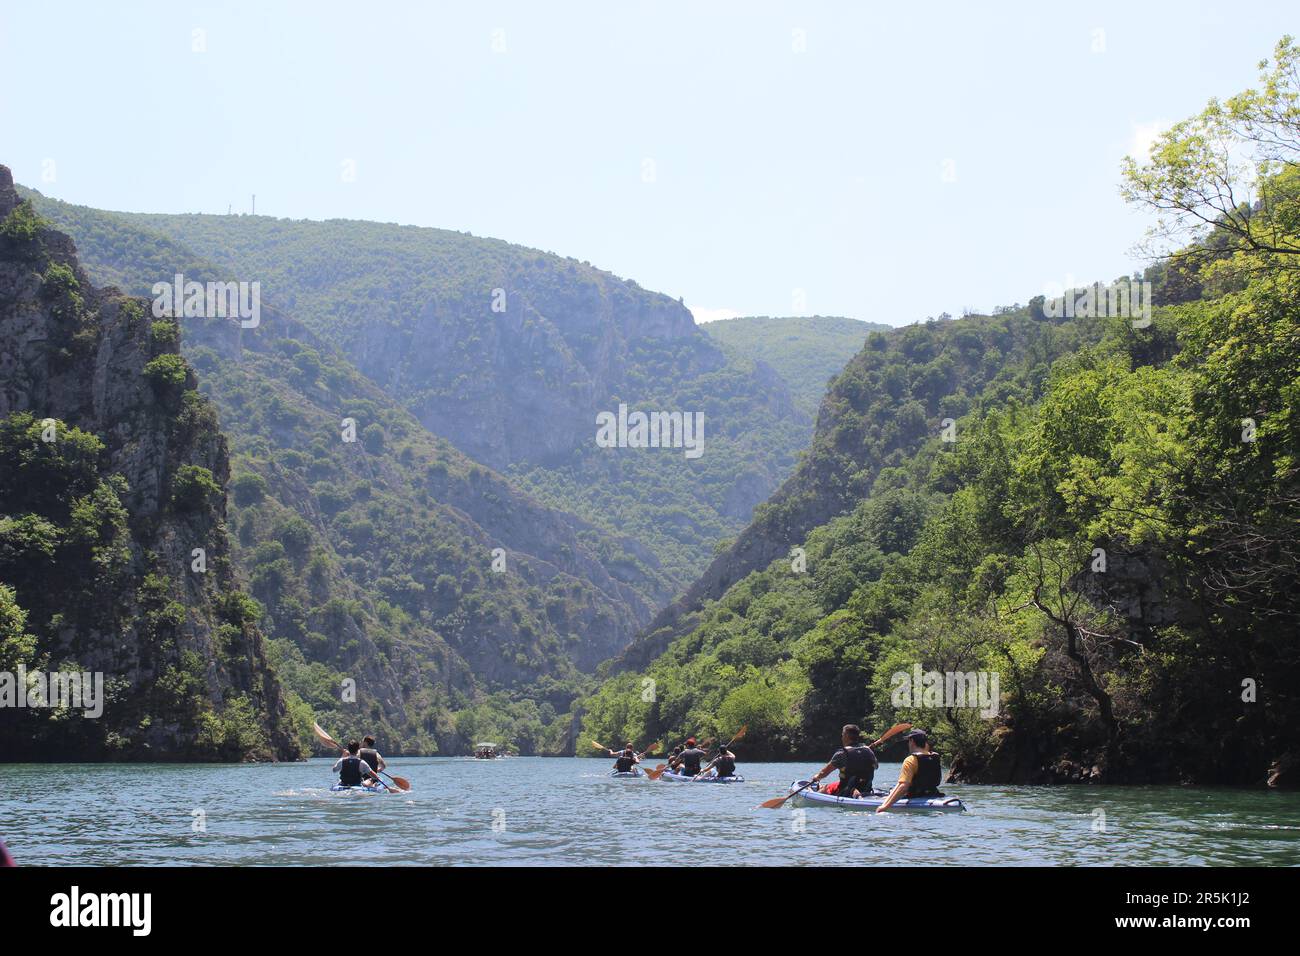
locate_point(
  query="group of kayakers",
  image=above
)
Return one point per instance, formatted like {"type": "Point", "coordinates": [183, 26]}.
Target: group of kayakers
{"type": "Point", "coordinates": [360, 766]}
{"type": "Point", "coordinates": [857, 763]}
{"type": "Point", "coordinates": [687, 759]}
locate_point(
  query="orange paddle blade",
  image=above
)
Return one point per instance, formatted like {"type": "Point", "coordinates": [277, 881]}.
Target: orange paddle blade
{"type": "Point", "coordinates": [324, 737]}
{"type": "Point", "coordinates": [893, 731]}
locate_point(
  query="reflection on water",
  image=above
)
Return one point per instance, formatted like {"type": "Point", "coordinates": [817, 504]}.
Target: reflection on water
{"type": "Point", "coordinates": [567, 811]}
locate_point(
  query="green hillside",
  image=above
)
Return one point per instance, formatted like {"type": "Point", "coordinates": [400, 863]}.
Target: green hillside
{"type": "Point", "coordinates": [1105, 521]}
{"type": "Point", "coordinates": [509, 353]}
{"type": "Point", "coordinates": [373, 558]}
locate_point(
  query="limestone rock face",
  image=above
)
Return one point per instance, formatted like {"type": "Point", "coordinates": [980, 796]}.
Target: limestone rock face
{"type": "Point", "coordinates": [182, 659]}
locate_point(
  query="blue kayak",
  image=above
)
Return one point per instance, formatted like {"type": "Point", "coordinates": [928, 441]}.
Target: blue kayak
{"type": "Point", "coordinates": [339, 788]}
{"type": "Point", "coordinates": [814, 798]}
{"type": "Point", "coordinates": [638, 772]}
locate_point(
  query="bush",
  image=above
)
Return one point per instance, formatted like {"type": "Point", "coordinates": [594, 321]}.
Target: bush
{"type": "Point", "coordinates": [22, 224]}
{"type": "Point", "coordinates": [59, 281]}
{"type": "Point", "coordinates": [248, 489]}
{"type": "Point", "coordinates": [165, 334]}
{"type": "Point", "coordinates": [166, 373]}
{"type": "Point", "coordinates": [193, 488]}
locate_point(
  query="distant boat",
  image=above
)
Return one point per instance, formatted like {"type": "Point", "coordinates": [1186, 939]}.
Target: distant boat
{"type": "Point", "coordinates": [485, 751]}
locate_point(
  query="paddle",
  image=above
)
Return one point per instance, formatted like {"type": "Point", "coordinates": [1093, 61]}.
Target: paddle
{"type": "Point", "coordinates": [776, 802]}
{"type": "Point", "coordinates": [402, 783]}
{"type": "Point", "coordinates": [740, 733]}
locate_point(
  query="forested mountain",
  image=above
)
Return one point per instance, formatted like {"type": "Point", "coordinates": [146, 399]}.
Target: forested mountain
{"type": "Point", "coordinates": [1107, 522]}
{"type": "Point", "coordinates": [373, 559]}
{"type": "Point", "coordinates": [113, 551]}
{"type": "Point", "coordinates": [510, 353]}
{"type": "Point", "coordinates": [889, 401]}
{"type": "Point", "coordinates": [806, 351]}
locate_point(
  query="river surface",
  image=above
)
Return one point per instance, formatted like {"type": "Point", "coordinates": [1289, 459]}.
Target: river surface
{"type": "Point", "coordinates": [565, 811]}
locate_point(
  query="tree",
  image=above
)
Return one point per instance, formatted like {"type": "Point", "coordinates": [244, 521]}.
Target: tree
{"type": "Point", "coordinates": [1233, 170]}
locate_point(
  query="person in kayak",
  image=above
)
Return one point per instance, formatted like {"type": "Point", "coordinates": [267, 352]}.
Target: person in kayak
{"type": "Point", "coordinates": [724, 764]}
{"type": "Point", "coordinates": [371, 756]}
{"type": "Point", "coordinates": [856, 763]}
{"type": "Point", "coordinates": [352, 770]}
{"type": "Point", "coordinates": [626, 761]}
{"type": "Point", "coordinates": [689, 760]}
{"type": "Point", "coordinates": [921, 772]}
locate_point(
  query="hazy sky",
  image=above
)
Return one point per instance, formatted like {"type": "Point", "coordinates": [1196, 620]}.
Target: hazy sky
{"type": "Point", "coordinates": [837, 158]}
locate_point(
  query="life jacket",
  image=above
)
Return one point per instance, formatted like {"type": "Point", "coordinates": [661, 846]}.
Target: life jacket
{"type": "Point", "coordinates": [370, 756]}
{"type": "Point", "coordinates": [859, 769]}
{"type": "Point", "coordinates": [691, 760]}
{"type": "Point", "coordinates": [624, 764]}
{"type": "Point", "coordinates": [350, 771]}
{"type": "Point", "coordinates": [726, 766]}
{"type": "Point", "coordinates": [929, 773]}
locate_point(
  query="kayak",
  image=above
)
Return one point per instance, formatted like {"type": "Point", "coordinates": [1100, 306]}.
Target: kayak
{"type": "Point", "coordinates": [813, 798]}
{"type": "Point", "coordinates": [627, 773]}
{"type": "Point", "coordinates": [339, 788]}
{"type": "Point", "coordinates": [687, 778]}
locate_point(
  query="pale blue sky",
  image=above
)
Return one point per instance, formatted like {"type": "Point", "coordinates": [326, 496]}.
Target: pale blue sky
{"type": "Point", "coordinates": [774, 170]}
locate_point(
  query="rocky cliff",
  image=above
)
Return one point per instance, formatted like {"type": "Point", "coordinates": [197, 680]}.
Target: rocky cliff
{"type": "Point", "coordinates": [114, 559]}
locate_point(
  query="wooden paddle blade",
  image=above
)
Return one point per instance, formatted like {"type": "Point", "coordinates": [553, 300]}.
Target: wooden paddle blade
{"type": "Point", "coordinates": [599, 746]}
{"type": "Point", "coordinates": [893, 731]}
{"type": "Point", "coordinates": [740, 733]}
{"type": "Point", "coordinates": [324, 737]}
{"type": "Point", "coordinates": [402, 782]}
{"type": "Point", "coordinates": [775, 802]}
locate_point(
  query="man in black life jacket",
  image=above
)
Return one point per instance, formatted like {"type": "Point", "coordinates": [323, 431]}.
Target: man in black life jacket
{"type": "Point", "coordinates": [921, 772]}
{"type": "Point", "coordinates": [689, 760]}
{"type": "Point", "coordinates": [724, 764]}
{"type": "Point", "coordinates": [856, 763]}
{"type": "Point", "coordinates": [352, 770]}
{"type": "Point", "coordinates": [626, 761]}
{"type": "Point", "coordinates": [370, 755]}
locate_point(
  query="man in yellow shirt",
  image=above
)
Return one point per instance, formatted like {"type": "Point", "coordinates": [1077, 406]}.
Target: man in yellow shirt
{"type": "Point", "coordinates": [921, 772]}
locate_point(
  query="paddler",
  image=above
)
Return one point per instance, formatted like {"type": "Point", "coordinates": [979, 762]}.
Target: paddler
{"type": "Point", "coordinates": [371, 756]}
{"type": "Point", "coordinates": [352, 770]}
{"type": "Point", "coordinates": [724, 764]}
{"type": "Point", "coordinates": [689, 760]}
{"type": "Point", "coordinates": [921, 773]}
{"type": "Point", "coordinates": [856, 763]}
{"type": "Point", "coordinates": [627, 760]}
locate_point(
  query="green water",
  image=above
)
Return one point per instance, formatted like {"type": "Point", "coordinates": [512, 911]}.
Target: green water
{"type": "Point", "coordinates": [538, 811]}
